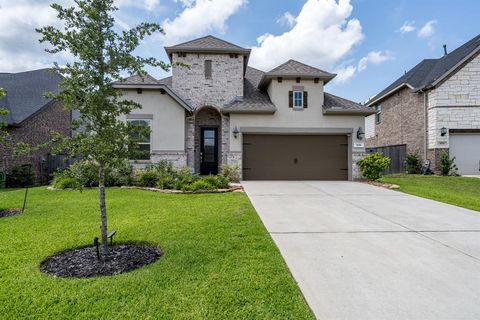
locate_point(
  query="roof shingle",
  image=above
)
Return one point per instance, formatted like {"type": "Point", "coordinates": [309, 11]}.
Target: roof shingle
{"type": "Point", "coordinates": [208, 43]}
{"type": "Point", "coordinates": [26, 92]}
{"type": "Point", "coordinates": [427, 72]}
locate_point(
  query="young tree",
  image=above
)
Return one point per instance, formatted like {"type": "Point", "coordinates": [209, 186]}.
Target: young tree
{"type": "Point", "coordinates": [100, 55]}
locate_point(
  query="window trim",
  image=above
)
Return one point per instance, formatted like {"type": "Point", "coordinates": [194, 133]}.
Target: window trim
{"type": "Point", "coordinates": [295, 106]}
{"type": "Point", "coordinates": [148, 119]}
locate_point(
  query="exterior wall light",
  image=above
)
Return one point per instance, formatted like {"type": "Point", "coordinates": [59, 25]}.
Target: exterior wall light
{"type": "Point", "coordinates": [443, 132]}
{"type": "Point", "coordinates": [235, 132]}
{"type": "Point", "coordinates": [360, 134]}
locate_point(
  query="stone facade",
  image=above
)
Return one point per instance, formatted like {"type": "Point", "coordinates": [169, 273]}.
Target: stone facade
{"type": "Point", "coordinates": [450, 118]}
{"type": "Point", "coordinates": [207, 117]}
{"type": "Point", "coordinates": [402, 122]}
{"type": "Point", "coordinates": [35, 131]}
{"type": "Point", "coordinates": [226, 83]}
{"type": "Point", "coordinates": [357, 156]}
{"type": "Point", "coordinates": [459, 90]}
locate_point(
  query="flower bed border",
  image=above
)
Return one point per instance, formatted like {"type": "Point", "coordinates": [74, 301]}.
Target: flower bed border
{"type": "Point", "coordinates": [234, 187]}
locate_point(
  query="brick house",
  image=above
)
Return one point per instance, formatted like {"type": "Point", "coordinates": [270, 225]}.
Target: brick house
{"type": "Point", "coordinates": [215, 109]}
{"type": "Point", "coordinates": [434, 107]}
{"type": "Point", "coordinates": [32, 117]}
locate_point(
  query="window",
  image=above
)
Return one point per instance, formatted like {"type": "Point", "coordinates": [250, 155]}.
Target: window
{"type": "Point", "coordinates": [208, 69]}
{"type": "Point", "coordinates": [143, 138]}
{"type": "Point", "coordinates": [298, 99]}
{"type": "Point", "coordinates": [378, 114]}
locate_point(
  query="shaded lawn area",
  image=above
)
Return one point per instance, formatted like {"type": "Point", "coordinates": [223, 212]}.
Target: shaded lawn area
{"type": "Point", "coordinates": [219, 262]}
{"type": "Point", "coordinates": [459, 191]}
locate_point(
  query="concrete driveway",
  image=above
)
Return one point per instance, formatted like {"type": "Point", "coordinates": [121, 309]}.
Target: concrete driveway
{"type": "Point", "coordinates": [363, 252]}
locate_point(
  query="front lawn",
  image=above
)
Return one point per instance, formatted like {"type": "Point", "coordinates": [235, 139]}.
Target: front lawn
{"type": "Point", "coordinates": [459, 191]}
{"type": "Point", "coordinates": [218, 263]}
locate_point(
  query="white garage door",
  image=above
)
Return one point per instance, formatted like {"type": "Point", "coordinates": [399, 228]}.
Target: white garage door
{"type": "Point", "coordinates": [466, 149]}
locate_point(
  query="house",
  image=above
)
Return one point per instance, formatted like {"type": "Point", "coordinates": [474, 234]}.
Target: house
{"type": "Point", "coordinates": [434, 107]}
{"type": "Point", "coordinates": [215, 109]}
{"type": "Point", "coordinates": [32, 117]}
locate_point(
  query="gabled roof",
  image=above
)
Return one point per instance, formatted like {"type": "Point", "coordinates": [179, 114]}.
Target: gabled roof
{"type": "Point", "coordinates": [293, 68]}
{"type": "Point", "coordinates": [26, 92]}
{"type": "Point", "coordinates": [207, 44]}
{"type": "Point", "coordinates": [428, 73]}
{"type": "Point", "coordinates": [253, 100]}
{"type": "Point", "coordinates": [335, 105]}
{"type": "Point", "coordinates": [150, 83]}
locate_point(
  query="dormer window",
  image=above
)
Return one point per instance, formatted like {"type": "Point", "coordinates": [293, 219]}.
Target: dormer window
{"type": "Point", "coordinates": [298, 99]}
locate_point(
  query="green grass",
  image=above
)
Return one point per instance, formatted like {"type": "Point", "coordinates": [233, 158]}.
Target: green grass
{"type": "Point", "coordinates": [459, 191]}
{"type": "Point", "coordinates": [219, 261]}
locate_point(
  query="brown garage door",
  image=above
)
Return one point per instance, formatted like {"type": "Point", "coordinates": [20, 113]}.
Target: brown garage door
{"type": "Point", "coordinates": [295, 157]}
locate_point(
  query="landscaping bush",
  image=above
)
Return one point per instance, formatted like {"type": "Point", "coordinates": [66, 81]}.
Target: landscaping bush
{"type": "Point", "coordinates": [61, 182]}
{"type": "Point", "coordinates": [22, 176]}
{"type": "Point", "coordinates": [412, 163]}
{"type": "Point", "coordinates": [200, 185]}
{"type": "Point", "coordinates": [148, 178]}
{"type": "Point", "coordinates": [447, 164]}
{"type": "Point", "coordinates": [185, 178]}
{"type": "Point", "coordinates": [232, 173]}
{"type": "Point", "coordinates": [218, 182]}
{"type": "Point", "coordinates": [85, 172]}
{"type": "Point", "coordinates": [373, 165]}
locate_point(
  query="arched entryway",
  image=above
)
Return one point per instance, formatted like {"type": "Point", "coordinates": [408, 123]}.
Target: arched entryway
{"type": "Point", "coordinates": [208, 140]}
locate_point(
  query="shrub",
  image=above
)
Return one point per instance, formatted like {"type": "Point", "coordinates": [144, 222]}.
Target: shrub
{"type": "Point", "coordinates": [22, 176]}
{"type": "Point", "coordinates": [61, 182]}
{"type": "Point", "coordinates": [373, 165]}
{"type": "Point", "coordinates": [412, 163]}
{"type": "Point", "coordinates": [185, 178]}
{"type": "Point", "coordinates": [447, 164]}
{"type": "Point", "coordinates": [218, 182]}
{"type": "Point", "coordinates": [232, 173]}
{"type": "Point", "coordinates": [86, 174]}
{"type": "Point", "coordinates": [148, 178]}
{"type": "Point", "coordinates": [200, 185]}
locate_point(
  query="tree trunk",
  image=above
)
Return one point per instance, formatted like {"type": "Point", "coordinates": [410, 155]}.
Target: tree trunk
{"type": "Point", "coordinates": [103, 211]}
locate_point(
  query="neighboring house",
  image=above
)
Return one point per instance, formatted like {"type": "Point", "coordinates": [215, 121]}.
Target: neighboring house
{"type": "Point", "coordinates": [434, 107]}
{"type": "Point", "coordinates": [216, 110]}
{"type": "Point", "coordinates": [32, 117]}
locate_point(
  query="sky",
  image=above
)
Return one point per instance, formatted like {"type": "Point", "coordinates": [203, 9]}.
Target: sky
{"type": "Point", "coordinates": [367, 43]}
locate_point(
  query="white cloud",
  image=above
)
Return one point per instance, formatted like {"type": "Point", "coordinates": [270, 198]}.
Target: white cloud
{"type": "Point", "coordinates": [147, 5]}
{"type": "Point", "coordinates": [288, 19]}
{"type": "Point", "coordinates": [428, 29]}
{"type": "Point", "coordinates": [200, 17]}
{"type": "Point", "coordinates": [408, 26]}
{"type": "Point", "coordinates": [323, 34]}
{"type": "Point", "coordinates": [373, 57]}
{"type": "Point", "coordinates": [344, 74]}
{"type": "Point", "coordinates": [19, 46]}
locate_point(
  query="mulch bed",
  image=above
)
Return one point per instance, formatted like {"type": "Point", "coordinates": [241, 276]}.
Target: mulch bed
{"type": "Point", "coordinates": [9, 212]}
{"type": "Point", "coordinates": [83, 263]}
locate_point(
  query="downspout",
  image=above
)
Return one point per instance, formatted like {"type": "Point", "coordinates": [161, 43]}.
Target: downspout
{"type": "Point", "coordinates": [425, 126]}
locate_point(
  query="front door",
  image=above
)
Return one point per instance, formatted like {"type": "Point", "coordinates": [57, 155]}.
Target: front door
{"type": "Point", "coordinates": [209, 151]}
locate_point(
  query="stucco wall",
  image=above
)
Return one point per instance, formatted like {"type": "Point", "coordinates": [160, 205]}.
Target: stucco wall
{"type": "Point", "coordinates": [190, 82]}
{"type": "Point", "coordinates": [168, 123]}
{"type": "Point", "coordinates": [285, 117]}
{"type": "Point", "coordinates": [402, 122]}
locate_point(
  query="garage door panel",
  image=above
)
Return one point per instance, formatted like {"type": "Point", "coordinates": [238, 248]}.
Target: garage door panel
{"type": "Point", "coordinates": [295, 157]}
{"type": "Point", "coordinates": [466, 150]}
